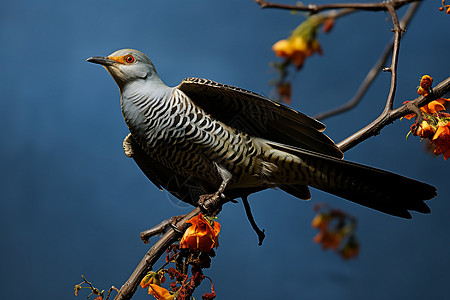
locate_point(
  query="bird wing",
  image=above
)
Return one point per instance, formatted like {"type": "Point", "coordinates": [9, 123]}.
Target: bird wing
{"type": "Point", "coordinates": [259, 116]}
{"type": "Point", "coordinates": [183, 188]}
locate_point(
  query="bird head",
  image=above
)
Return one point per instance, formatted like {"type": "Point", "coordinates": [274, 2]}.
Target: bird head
{"type": "Point", "coordinates": [126, 66]}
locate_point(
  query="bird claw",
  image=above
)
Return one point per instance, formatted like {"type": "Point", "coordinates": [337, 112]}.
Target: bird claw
{"type": "Point", "coordinates": [211, 204]}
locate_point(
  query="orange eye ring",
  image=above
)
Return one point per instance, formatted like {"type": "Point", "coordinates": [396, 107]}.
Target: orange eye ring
{"type": "Point", "coordinates": [129, 59]}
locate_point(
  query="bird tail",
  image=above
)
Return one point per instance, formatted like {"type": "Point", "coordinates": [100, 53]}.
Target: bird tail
{"type": "Point", "coordinates": [381, 190]}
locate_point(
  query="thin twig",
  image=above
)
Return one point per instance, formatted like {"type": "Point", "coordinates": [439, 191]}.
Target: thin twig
{"type": "Point", "coordinates": [364, 86]}
{"type": "Point", "coordinates": [344, 145]}
{"type": "Point", "coordinates": [373, 73]}
{"type": "Point", "coordinates": [395, 51]}
{"type": "Point", "coordinates": [313, 8]}
{"type": "Point", "coordinates": [248, 212]}
{"type": "Point", "coordinates": [158, 229]}
{"type": "Point", "coordinates": [110, 290]}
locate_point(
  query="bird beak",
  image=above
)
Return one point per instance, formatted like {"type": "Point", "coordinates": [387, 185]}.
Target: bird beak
{"type": "Point", "coordinates": [104, 61]}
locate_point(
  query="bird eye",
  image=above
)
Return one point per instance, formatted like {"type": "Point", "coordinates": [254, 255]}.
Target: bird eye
{"type": "Point", "coordinates": [129, 59]}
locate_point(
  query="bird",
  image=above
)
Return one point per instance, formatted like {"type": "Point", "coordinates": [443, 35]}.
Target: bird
{"type": "Point", "coordinates": [203, 137]}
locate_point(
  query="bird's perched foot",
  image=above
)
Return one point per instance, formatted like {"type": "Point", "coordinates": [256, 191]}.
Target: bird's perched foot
{"type": "Point", "coordinates": [211, 204]}
{"type": "Point", "coordinates": [161, 228]}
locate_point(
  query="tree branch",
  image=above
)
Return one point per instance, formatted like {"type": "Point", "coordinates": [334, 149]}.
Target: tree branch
{"type": "Point", "coordinates": [373, 73]}
{"type": "Point", "coordinates": [393, 68]}
{"type": "Point", "coordinates": [313, 8]}
{"type": "Point", "coordinates": [389, 117]}
{"type": "Point", "coordinates": [150, 258]}
{"type": "Point", "coordinates": [210, 204]}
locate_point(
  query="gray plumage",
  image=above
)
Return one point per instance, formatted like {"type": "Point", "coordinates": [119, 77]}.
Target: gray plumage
{"type": "Point", "coordinates": [190, 139]}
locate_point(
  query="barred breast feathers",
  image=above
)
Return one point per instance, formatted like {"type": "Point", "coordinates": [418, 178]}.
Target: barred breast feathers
{"type": "Point", "coordinates": [171, 122]}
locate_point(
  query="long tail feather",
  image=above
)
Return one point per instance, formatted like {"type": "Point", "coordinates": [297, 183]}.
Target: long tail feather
{"type": "Point", "coordinates": [381, 190]}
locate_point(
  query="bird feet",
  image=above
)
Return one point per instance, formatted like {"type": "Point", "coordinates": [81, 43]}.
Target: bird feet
{"type": "Point", "coordinates": [211, 204]}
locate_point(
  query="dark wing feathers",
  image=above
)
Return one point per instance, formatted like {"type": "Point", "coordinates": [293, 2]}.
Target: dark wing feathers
{"type": "Point", "coordinates": [259, 116]}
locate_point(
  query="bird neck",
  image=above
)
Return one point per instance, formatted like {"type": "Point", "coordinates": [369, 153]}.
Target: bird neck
{"type": "Point", "coordinates": [151, 88]}
{"type": "Point", "coordinates": [140, 101]}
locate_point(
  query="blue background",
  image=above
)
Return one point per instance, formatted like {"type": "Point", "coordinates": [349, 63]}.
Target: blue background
{"type": "Point", "coordinates": [72, 203]}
